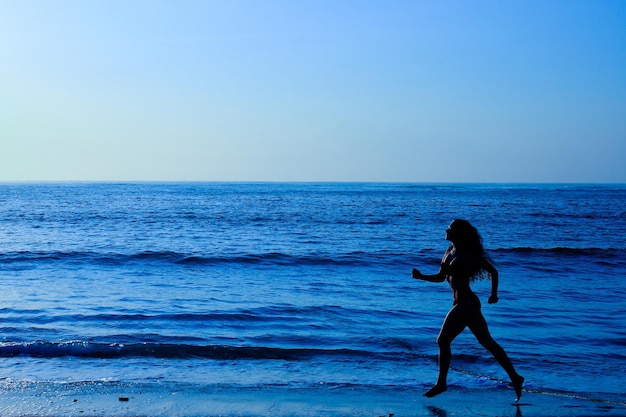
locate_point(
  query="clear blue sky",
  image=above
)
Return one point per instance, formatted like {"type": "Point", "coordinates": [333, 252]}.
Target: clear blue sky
{"type": "Point", "coordinates": [313, 90]}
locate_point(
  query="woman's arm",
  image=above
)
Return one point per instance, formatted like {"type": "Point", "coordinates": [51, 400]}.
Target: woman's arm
{"type": "Point", "coordinates": [438, 277]}
{"type": "Point", "coordinates": [493, 272]}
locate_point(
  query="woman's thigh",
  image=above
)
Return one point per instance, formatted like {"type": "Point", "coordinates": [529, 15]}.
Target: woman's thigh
{"type": "Point", "coordinates": [453, 325]}
{"type": "Point", "coordinates": [478, 326]}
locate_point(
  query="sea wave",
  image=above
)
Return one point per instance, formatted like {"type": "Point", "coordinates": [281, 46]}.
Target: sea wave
{"type": "Point", "coordinates": [271, 258]}
{"type": "Point", "coordinates": [565, 251]}
{"type": "Point", "coordinates": [352, 259]}
{"type": "Point", "coordinates": [83, 349]}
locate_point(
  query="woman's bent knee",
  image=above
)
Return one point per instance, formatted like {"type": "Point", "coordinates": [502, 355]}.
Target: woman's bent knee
{"type": "Point", "coordinates": [488, 343]}
{"type": "Point", "coordinates": [444, 341]}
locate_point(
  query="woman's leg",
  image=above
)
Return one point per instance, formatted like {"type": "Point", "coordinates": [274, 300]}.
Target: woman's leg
{"type": "Point", "coordinates": [452, 326]}
{"type": "Point", "coordinates": [478, 326]}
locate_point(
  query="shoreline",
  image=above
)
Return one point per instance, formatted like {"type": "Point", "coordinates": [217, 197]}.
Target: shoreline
{"type": "Point", "coordinates": [118, 399]}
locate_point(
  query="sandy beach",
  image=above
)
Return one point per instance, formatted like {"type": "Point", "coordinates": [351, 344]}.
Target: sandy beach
{"type": "Point", "coordinates": [120, 400]}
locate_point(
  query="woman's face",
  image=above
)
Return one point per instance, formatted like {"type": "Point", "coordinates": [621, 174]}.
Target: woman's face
{"type": "Point", "coordinates": [450, 232]}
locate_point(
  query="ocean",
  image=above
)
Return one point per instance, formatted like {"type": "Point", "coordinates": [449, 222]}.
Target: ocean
{"type": "Point", "coordinates": [285, 287]}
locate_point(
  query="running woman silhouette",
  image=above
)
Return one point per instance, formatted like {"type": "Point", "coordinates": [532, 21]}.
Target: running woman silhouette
{"type": "Point", "coordinates": [465, 261]}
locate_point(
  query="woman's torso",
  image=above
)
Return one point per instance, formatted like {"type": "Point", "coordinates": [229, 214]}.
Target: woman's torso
{"type": "Point", "coordinates": [459, 267]}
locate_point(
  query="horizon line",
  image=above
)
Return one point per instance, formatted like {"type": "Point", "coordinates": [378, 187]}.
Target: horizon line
{"type": "Point", "coordinates": [43, 182]}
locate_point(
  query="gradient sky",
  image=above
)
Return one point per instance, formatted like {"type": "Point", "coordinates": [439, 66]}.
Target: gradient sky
{"type": "Point", "coordinates": [313, 90]}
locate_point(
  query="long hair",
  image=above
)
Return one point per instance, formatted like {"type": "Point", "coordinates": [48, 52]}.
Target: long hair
{"type": "Point", "coordinates": [468, 239]}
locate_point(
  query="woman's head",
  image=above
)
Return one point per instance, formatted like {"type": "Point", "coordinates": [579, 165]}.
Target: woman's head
{"type": "Point", "coordinates": [465, 237]}
{"type": "Point", "coordinates": [461, 233]}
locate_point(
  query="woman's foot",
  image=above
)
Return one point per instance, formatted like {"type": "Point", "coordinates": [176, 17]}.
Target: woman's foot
{"type": "Point", "coordinates": [517, 383]}
{"type": "Point", "coordinates": [436, 390]}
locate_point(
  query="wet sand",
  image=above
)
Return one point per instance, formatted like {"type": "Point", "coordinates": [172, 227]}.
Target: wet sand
{"type": "Point", "coordinates": [154, 400]}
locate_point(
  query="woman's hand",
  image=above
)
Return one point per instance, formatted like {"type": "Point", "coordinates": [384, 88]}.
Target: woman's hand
{"type": "Point", "coordinates": [416, 274]}
{"type": "Point", "coordinates": [493, 299]}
